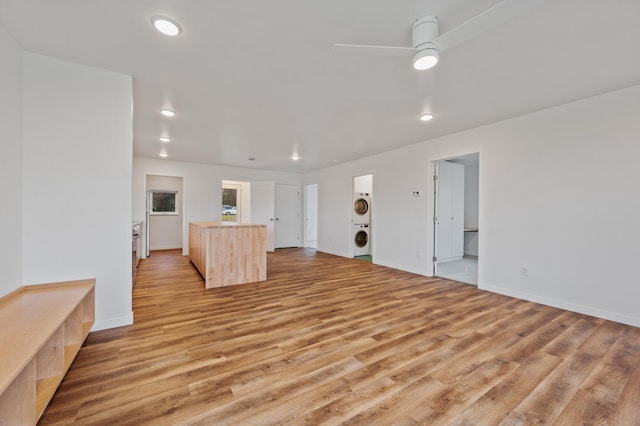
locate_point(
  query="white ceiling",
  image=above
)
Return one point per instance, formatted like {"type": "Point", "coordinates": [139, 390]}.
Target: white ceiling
{"type": "Point", "coordinates": [255, 78]}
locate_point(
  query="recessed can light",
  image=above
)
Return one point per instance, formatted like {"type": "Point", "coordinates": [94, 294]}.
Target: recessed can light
{"type": "Point", "coordinates": [295, 157]}
{"type": "Point", "coordinates": [167, 112]}
{"type": "Point", "coordinates": [165, 139]}
{"type": "Point", "coordinates": [163, 155]}
{"type": "Point", "coordinates": [166, 25]}
{"type": "Point", "coordinates": [426, 117]}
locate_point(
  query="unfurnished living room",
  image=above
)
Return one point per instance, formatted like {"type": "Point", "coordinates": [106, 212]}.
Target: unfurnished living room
{"type": "Point", "coordinates": [355, 212]}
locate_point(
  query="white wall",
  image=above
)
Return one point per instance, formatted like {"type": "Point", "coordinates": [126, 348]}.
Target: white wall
{"type": "Point", "coordinates": [166, 230]}
{"type": "Point", "coordinates": [558, 195]}
{"type": "Point", "coordinates": [202, 186]}
{"type": "Point", "coordinates": [363, 184]}
{"type": "Point", "coordinates": [77, 129]}
{"type": "Point", "coordinates": [10, 163]}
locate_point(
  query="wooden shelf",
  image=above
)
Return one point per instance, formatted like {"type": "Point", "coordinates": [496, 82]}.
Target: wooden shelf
{"type": "Point", "coordinates": [70, 352]}
{"type": "Point", "coordinates": [45, 388]}
{"type": "Point", "coordinates": [17, 402]}
{"type": "Point", "coordinates": [44, 326]}
{"type": "Point", "coordinates": [86, 326]}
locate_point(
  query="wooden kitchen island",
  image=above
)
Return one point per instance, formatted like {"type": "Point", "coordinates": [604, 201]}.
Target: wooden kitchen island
{"type": "Point", "coordinates": [228, 253]}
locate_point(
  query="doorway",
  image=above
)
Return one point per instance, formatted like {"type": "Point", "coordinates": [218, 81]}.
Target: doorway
{"type": "Point", "coordinates": [236, 201]}
{"type": "Point", "coordinates": [164, 222]}
{"type": "Point", "coordinates": [455, 219]}
{"type": "Point", "coordinates": [362, 222]}
{"type": "Point", "coordinates": [287, 209]}
{"type": "Point", "coordinates": [277, 205]}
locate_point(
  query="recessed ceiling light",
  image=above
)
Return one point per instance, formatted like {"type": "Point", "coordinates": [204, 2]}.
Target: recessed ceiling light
{"type": "Point", "coordinates": [295, 157]}
{"type": "Point", "coordinates": [167, 112]}
{"type": "Point", "coordinates": [165, 139]}
{"type": "Point", "coordinates": [426, 117]}
{"type": "Point", "coordinates": [166, 25]}
{"type": "Point", "coordinates": [163, 154]}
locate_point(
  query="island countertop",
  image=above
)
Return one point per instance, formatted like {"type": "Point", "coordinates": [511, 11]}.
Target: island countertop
{"type": "Point", "coordinates": [225, 225]}
{"type": "Point", "coordinates": [228, 253]}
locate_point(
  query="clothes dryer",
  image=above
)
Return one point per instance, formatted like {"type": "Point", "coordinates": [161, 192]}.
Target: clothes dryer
{"type": "Point", "coordinates": [361, 240]}
{"type": "Point", "coordinates": [361, 208]}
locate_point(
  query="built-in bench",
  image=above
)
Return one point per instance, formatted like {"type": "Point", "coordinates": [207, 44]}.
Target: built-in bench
{"type": "Point", "coordinates": [42, 328]}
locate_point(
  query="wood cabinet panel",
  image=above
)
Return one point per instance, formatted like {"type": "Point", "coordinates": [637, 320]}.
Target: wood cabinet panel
{"type": "Point", "coordinates": [228, 253]}
{"type": "Point", "coordinates": [44, 327]}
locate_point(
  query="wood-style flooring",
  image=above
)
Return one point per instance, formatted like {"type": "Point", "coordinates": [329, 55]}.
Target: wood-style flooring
{"type": "Point", "coordinates": [329, 340]}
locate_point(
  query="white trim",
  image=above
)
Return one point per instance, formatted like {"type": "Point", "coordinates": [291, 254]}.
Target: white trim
{"type": "Point", "coordinates": [416, 271]}
{"type": "Point", "coordinates": [561, 304]}
{"type": "Point", "coordinates": [112, 322]}
{"type": "Point", "coordinates": [165, 248]}
{"type": "Point", "coordinates": [335, 253]}
{"type": "Point", "coordinates": [185, 223]}
{"type": "Point", "coordinates": [431, 211]}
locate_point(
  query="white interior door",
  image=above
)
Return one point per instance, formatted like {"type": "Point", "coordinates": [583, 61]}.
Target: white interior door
{"type": "Point", "coordinates": [263, 208]}
{"type": "Point", "coordinates": [457, 210]}
{"type": "Point", "coordinates": [311, 216]}
{"type": "Point", "coordinates": [287, 230]}
{"type": "Point", "coordinates": [449, 220]}
{"type": "Point", "coordinates": [443, 211]}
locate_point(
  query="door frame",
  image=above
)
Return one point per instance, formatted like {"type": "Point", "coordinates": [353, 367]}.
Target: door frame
{"type": "Point", "coordinates": [267, 190]}
{"type": "Point", "coordinates": [239, 200]}
{"type": "Point", "coordinates": [352, 248]}
{"type": "Point", "coordinates": [431, 211]}
{"type": "Point", "coordinates": [278, 209]}
{"type": "Point", "coordinates": [185, 222]}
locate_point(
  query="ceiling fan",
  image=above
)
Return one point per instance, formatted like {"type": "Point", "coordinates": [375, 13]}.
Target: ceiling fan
{"type": "Point", "coordinates": [427, 44]}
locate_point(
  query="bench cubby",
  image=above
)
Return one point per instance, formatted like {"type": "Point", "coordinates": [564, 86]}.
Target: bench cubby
{"type": "Point", "coordinates": [43, 328]}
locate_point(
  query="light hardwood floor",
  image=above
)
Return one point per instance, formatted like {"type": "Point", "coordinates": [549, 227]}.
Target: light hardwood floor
{"type": "Point", "coordinates": [329, 340]}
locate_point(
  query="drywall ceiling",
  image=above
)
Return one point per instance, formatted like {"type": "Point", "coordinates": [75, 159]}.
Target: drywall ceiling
{"type": "Point", "coordinates": [254, 78]}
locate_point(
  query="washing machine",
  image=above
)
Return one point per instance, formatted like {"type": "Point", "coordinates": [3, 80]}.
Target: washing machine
{"type": "Point", "coordinates": [361, 208]}
{"type": "Point", "coordinates": [361, 240]}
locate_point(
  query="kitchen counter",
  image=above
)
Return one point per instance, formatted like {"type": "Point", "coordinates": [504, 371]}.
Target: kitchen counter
{"type": "Point", "coordinates": [228, 253]}
{"type": "Point", "coordinates": [226, 225]}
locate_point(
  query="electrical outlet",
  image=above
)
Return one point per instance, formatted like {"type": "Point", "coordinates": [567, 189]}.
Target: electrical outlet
{"type": "Point", "coordinates": [524, 272]}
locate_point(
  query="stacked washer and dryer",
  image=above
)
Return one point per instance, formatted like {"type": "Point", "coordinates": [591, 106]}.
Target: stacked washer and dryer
{"type": "Point", "coordinates": [361, 224]}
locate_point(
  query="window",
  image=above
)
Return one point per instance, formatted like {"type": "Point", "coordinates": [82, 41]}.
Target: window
{"type": "Point", "coordinates": [164, 203]}
{"type": "Point", "coordinates": [230, 202]}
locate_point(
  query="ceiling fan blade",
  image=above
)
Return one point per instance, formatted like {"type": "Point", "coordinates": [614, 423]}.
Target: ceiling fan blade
{"type": "Point", "coordinates": [502, 12]}
{"type": "Point", "coordinates": [374, 50]}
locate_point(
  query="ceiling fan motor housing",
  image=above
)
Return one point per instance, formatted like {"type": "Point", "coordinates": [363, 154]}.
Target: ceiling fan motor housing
{"type": "Point", "coordinates": [424, 31]}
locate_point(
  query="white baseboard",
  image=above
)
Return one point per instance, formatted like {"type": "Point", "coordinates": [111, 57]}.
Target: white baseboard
{"type": "Point", "coordinates": [112, 322]}
{"type": "Point", "coordinates": [573, 307]}
{"type": "Point", "coordinates": [401, 267]}
{"type": "Point", "coordinates": [170, 247]}
{"type": "Point", "coordinates": [335, 253]}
